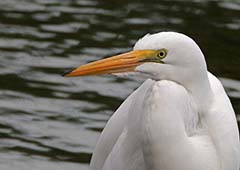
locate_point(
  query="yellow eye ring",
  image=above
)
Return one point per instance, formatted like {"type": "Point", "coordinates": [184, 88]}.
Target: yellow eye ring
{"type": "Point", "coordinates": [162, 53]}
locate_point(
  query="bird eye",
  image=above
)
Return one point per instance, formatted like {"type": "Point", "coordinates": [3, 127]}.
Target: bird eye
{"type": "Point", "coordinates": [162, 53]}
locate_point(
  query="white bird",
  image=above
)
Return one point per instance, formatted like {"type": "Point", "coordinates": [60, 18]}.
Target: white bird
{"type": "Point", "coordinates": [180, 118]}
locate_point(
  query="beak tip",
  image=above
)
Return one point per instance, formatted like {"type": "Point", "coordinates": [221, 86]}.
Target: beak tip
{"type": "Point", "coordinates": [67, 72]}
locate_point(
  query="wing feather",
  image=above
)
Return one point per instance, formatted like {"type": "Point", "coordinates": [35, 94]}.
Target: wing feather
{"type": "Point", "coordinates": [114, 129]}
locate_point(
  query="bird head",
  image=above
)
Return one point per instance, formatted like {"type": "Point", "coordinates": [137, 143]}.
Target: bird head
{"type": "Point", "coordinates": [165, 55]}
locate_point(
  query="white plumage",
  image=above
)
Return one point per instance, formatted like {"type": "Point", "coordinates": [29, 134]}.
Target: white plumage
{"type": "Point", "coordinates": [212, 144]}
{"type": "Point", "coordinates": [180, 118]}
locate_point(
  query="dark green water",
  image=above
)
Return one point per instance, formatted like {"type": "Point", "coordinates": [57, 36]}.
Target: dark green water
{"type": "Point", "coordinates": [51, 122]}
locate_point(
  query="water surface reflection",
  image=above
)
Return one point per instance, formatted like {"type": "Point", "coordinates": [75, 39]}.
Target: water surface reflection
{"type": "Point", "coordinates": [50, 122]}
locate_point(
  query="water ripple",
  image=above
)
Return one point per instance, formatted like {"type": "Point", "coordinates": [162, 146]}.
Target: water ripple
{"type": "Point", "coordinates": [51, 122]}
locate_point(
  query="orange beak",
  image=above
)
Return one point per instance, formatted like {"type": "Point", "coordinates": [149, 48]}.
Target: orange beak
{"type": "Point", "coordinates": [126, 62]}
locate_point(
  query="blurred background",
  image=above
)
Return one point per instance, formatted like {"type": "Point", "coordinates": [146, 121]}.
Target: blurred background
{"type": "Point", "coordinates": [51, 122]}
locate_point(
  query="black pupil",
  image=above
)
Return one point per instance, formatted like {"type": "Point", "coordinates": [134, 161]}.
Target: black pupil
{"type": "Point", "coordinates": [161, 54]}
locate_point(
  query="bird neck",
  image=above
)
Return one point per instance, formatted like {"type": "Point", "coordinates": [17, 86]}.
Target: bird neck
{"type": "Point", "coordinates": [200, 90]}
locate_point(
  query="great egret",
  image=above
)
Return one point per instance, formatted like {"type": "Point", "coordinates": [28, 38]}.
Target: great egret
{"type": "Point", "coordinates": [178, 119]}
